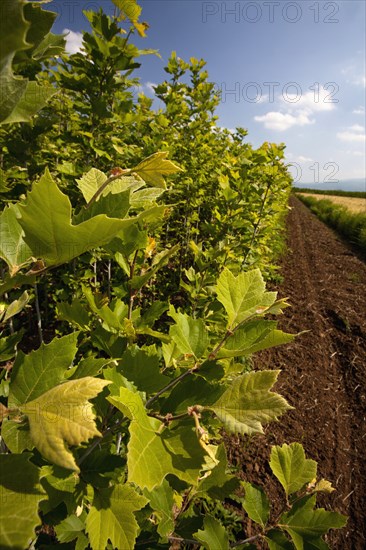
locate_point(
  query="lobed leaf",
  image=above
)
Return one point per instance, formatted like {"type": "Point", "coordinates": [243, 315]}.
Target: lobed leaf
{"type": "Point", "coordinates": [153, 168]}
{"type": "Point", "coordinates": [153, 455]}
{"type": "Point", "coordinates": [247, 403]}
{"type": "Point", "coordinates": [111, 517]}
{"type": "Point", "coordinates": [39, 371]}
{"type": "Point", "coordinates": [213, 536]}
{"type": "Point", "coordinates": [307, 525]}
{"type": "Point", "coordinates": [189, 334]}
{"type": "Point", "coordinates": [243, 296]}
{"type": "Point", "coordinates": [20, 494]}
{"type": "Point", "coordinates": [63, 415]}
{"type": "Point", "coordinates": [46, 221]}
{"type": "Point", "coordinates": [13, 250]}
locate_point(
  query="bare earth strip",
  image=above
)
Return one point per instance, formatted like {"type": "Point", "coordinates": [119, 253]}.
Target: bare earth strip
{"type": "Point", "coordinates": [352, 203]}
{"type": "Point", "coordinates": [323, 374]}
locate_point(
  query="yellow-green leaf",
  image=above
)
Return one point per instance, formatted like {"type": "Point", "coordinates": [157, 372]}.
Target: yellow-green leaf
{"type": "Point", "coordinates": [61, 416]}
{"type": "Point", "coordinates": [248, 403]}
{"type": "Point", "coordinates": [153, 168]}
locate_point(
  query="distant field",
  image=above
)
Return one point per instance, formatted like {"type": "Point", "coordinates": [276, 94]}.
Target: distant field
{"type": "Point", "coordinates": [333, 192]}
{"type": "Point", "coordinates": [357, 205]}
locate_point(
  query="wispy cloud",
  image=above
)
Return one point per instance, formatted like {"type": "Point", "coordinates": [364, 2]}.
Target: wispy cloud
{"type": "Point", "coordinates": [359, 111]}
{"type": "Point", "coordinates": [315, 101]}
{"type": "Point", "coordinates": [275, 120]}
{"type": "Point", "coordinates": [355, 133]}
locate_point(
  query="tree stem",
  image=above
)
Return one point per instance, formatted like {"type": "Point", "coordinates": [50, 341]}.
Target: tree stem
{"type": "Point", "coordinates": [38, 312]}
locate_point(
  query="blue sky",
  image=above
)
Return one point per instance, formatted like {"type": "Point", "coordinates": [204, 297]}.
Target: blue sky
{"type": "Point", "coordinates": [291, 72]}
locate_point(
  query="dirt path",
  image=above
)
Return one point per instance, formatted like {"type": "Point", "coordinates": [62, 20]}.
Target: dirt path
{"type": "Point", "coordinates": [323, 372]}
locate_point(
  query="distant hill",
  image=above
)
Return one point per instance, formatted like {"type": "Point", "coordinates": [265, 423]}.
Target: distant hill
{"type": "Point", "coordinates": [356, 184]}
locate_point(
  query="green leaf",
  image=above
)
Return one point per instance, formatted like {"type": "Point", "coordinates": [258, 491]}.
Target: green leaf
{"type": "Point", "coordinates": [160, 260]}
{"type": "Point", "coordinates": [243, 296]}
{"type": "Point", "coordinates": [277, 540]}
{"type": "Point", "coordinates": [46, 220]}
{"type": "Point", "coordinates": [113, 206]}
{"type": "Point", "coordinates": [19, 98]}
{"type": "Point", "coordinates": [100, 467]}
{"type": "Point", "coordinates": [192, 389]}
{"type": "Point", "coordinates": [152, 314]}
{"type": "Point", "coordinates": [256, 504]}
{"type": "Point", "coordinates": [13, 250]}
{"type": "Point", "coordinates": [129, 8]}
{"type": "Point", "coordinates": [153, 168]}
{"type": "Point", "coordinates": [112, 320]}
{"type": "Point", "coordinates": [12, 36]}
{"type": "Point", "coordinates": [254, 336]}
{"type": "Point", "coordinates": [90, 366]}
{"type": "Point", "coordinates": [161, 500]}
{"type": "Point", "coordinates": [16, 307]}
{"type": "Point", "coordinates": [219, 484]}
{"type": "Point", "coordinates": [190, 335]}
{"type": "Point", "coordinates": [74, 313]}
{"type": "Point", "coordinates": [16, 436]}
{"type": "Point", "coordinates": [306, 525]}
{"type": "Point", "coordinates": [247, 403]}
{"type": "Point", "coordinates": [63, 415]}
{"type": "Point", "coordinates": [292, 469]}
{"type": "Point", "coordinates": [213, 536]}
{"type": "Point", "coordinates": [20, 494]}
{"type": "Point", "coordinates": [39, 371]}
{"type": "Point", "coordinates": [141, 366]}
{"type": "Point", "coordinates": [17, 281]}
{"type": "Point", "coordinates": [69, 528]}
{"type": "Point", "coordinates": [111, 517]}
{"type": "Point", "coordinates": [8, 345]}
{"type": "Point", "coordinates": [60, 487]}
{"type": "Point", "coordinates": [32, 100]}
{"type": "Point", "coordinates": [153, 455]}
{"type": "Point", "coordinates": [90, 182]}
{"type": "Point", "coordinates": [13, 31]}
{"type": "Point", "coordinates": [144, 197]}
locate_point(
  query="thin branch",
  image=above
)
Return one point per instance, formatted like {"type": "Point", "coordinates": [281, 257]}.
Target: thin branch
{"type": "Point", "coordinates": [214, 352]}
{"type": "Point", "coordinates": [132, 292]}
{"type": "Point", "coordinates": [256, 227]}
{"type": "Point", "coordinates": [98, 441]}
{"type": "Point", "coordinates": [245, 541]}
{"type": "Point", "coordinates": [170, 385]}
{"type": "Point", "coordinates": [168, 417]}
{"type": "Point", "coordinates": [187, 541]}
{"type": "Point", "coordinates": [105, 184]}
{"type": "Point", "coordinates": [38, 312]}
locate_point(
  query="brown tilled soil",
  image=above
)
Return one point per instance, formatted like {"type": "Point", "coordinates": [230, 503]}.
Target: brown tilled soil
{"type": "Point", "coordinates": [323, 374]}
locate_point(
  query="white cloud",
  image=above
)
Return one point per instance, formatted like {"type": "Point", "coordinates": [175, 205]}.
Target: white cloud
{"type": "Point", "coordinates": [150, 86]}
{"type": "Point", "coordinates": [357, 128]}
{"type": "Point", "coordinates": [297, 109]}
{"type": "Point", "coordinates": [275, 120]}
{"type": "Point", "coordinates": [304, 159]}
{"type": "Point", "coordinates": [355, 133]}
{"type": "Point", "coordinates": [355, 75]}
{"type": "Point", "coordinates": [317, 100]}
{"type": "Point", "coordinates": [360, 81]}
{"type": "Point", "coordinates": [359, 111]}
{"type": "Point", "coordinates": [353, 153]}
{"type": "Point", "coordinates": [298, 158]}
{"type": "Point", "coordinates": [73, 41]}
